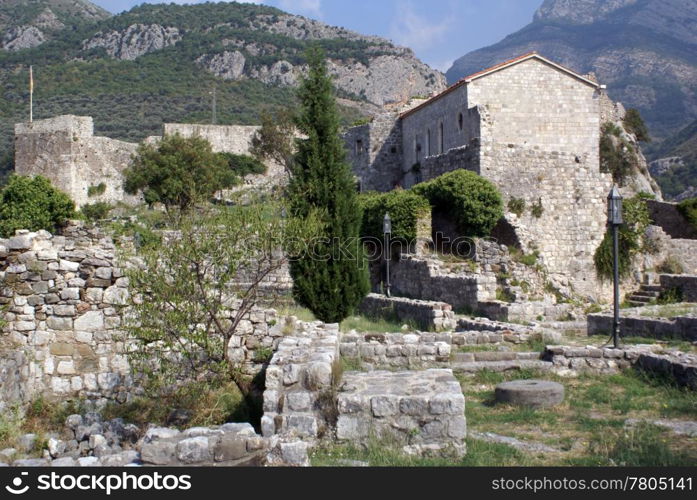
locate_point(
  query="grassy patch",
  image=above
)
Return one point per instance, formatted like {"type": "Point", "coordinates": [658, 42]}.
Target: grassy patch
{"type": "Point", "coordinates": [385, 453]}
{"type": "Point", "coordinates": [589, 426]}
{"type": "Point", "coordinates": [670, 311]}
{"type": "Point", "coordinates": [302, 313]}
{"type": "Point", "coordinates": [375, 325]}
{"type": "Point", "coordinates": [209, 403]}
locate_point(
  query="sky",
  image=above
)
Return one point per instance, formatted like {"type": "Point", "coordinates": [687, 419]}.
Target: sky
{"type": "Point", "coordinates": [439, 31]}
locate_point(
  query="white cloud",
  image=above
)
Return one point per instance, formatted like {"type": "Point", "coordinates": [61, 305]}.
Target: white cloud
{"type": "Point", "coordinates": [309, 7]}
{"type": "Point", "coordinates": [416, 31]}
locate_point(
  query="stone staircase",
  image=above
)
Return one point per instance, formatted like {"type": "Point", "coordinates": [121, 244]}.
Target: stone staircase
{"type": "Point", "coordinates": [497, 361]}
{"type": "Point", "coordinates": [648, 292]}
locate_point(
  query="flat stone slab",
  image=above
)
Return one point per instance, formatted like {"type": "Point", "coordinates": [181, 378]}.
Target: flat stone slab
{"type": "Point", "coordinates": [530, 393]}
{"type": "Point", "coordinates": [423, 411]}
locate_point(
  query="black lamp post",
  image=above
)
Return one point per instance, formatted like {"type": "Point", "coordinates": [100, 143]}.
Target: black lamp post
{"type": "Point", "coordinates": [387, 231]}
{"type": "Point", "coordinates": [614, 218]}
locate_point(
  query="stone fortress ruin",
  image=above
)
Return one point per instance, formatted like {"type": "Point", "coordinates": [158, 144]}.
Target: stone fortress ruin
{"type": "Point", "coordinates": [529, 125]}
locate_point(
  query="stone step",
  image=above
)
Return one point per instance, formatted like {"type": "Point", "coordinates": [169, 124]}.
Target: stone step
{"type": "Point", "coordinates": [635, 303]}
{"type": "Point", "coordinates": [469, 357]}
{"type": "Point", "coordinates": [652, 288]}
{"type": "Point", "coordinates": [651, 295]}
{"type": "Point", "coordinates": [640, 298]}
{"type": "Point", "coordinates": [500, 366]}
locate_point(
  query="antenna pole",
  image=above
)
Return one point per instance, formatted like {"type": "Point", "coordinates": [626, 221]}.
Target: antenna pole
{"type": "Point", "coordinates": [31, 94]}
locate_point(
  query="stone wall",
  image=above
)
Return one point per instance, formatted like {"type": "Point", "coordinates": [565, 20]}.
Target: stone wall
{"type": "Point", "coordinates": [428, 315]}
{"type": "Point", "coordinates": [671, 220]}
{"type": "Point", "coordinates": [681, 327]}
{"type": "Point", "coordinates": [425, 279]}
{"type": "Point", "coordinates": [687, 284]}
{"type": "Point", "coordinates": [65, 298]}
{"type": "Point", "coordinates": [65, 150]}
{"type": "Point", "coordinates": [375, 152]}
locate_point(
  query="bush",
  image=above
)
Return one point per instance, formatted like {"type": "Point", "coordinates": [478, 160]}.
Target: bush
{"type": "Point", "coordinates": [404, 207]}
{"type": "Point", "coordinates": [516, 206]}
{"type": "Point", "coordinates": [474, 202]}
{"type": "Point", "coordinates": [634, 123]}
{"type": "Point", "coordinates": [243, 165]}
{"type": "Point", "coordinates": [179, 172]}
{"type": "Point", "coordinates": [670, 265]}
{"type": "Point", "coordinates": [96, 190]}
{"type": "Point", "coordinates": [96, 211]}
{"type": "Point", "coordinates": [689, 210]}
{"type": "Point", "coordinates": [616, 159]}
{"type": "Point", "coordinates": [537, 209]}
{"type": "Point", "coordinates": [33, 204]}
{"type": "Point", "coordinates": [631, 239]}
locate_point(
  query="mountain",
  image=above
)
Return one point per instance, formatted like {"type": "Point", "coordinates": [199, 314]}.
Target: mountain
{"type": "Point", "coordinates": [645, 51]}
{"type": "Point", "coordinates": [161, 63]}
{"type": "Point", "coordinates": [29, 23]}
{"type": "Point", "coordinates": [676, 166]}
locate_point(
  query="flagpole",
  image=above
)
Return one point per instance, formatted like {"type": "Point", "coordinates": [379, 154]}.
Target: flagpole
{"type": "Point", "coordinates": [31, 94]}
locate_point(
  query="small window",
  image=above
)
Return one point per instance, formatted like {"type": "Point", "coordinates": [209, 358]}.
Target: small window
{"type": "Point", "coordinates": [393, 150]}
{"type": "Point", "coordinates": [428, 142]}
{"type": "Point", "coordinates": [459, 122]}
{"type": "Point", "coordinates": [441, 139]}
{"type": "Point", "coordinates": [359, 146]}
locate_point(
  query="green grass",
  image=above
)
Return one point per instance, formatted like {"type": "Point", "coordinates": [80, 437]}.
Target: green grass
{"type": "Point", "coordinates": [302, 313]}
{"type": "Point", "coordinates": [670, 311]}
{"type": "Point", "coordinates": [373, 325]}
{"type": "Point", "coordinates": [385, 453]}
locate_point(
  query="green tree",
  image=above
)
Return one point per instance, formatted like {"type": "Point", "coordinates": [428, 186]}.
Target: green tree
{"type": "Point", "coordinates": [274, 139]}
{"type": "Point", "coordinates": [192, 292]}
{"type": "Point", "coordinates": [33, 203]}
{"type": "Point", "coordinates": [634, 123]}
{"type": "Point", "coordinates": [332, 279]}
{"type": "Point", "coordinates": [178, 172]}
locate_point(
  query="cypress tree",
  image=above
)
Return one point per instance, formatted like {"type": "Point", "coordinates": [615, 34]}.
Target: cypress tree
{"type": "Point", "coordinates": [332, 279]}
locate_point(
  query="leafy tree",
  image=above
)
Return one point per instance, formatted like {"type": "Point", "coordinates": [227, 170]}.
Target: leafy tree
{"type": "Point", "coordinates": [332, 279]}
{"type": "Point", "coordinates": [473, 201]}
{"type": "Point", "coordinates": [405, 209]}
{"type": "Point", "coordinates": [274, 140]}
{"type": "Point", "coordinates": [634, 123]}
{"type": "Point", "coordinates": [243, 165]}
{"type": "Point", "coordinates": [178, 172]}
{"type": "Point", "coordinates": [33, 203]}
{"type": "Point", "coordinates": [688, 209]}
{"type": "Point", "coordinates": [192, 291]}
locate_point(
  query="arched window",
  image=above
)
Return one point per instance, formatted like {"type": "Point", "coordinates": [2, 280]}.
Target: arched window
{"type": "Point", "coordinates": [441, 139]}
{"type": "Point", "coordinates": [460, 122]}
{"type": "Point", "coordinates": [428, 142]}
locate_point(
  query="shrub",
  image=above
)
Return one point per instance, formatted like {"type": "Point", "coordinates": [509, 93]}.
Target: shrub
{"type": "Point", "coordinates": [616, 159]}
{"type": "Point", "coordinates": [670, 296]}
{"type": "Point", "coordinates": [33, 204]}
{"type": "Point", "coordinates": [670, 265]}
{"type": "Point", "coordinates": [96, 190]}
{"type": "Point", "coordinates": [516, 206]}
{"type": "Point", "coordinates": [537, 209]}
{"type": "Point", "coordinates": [631, 239]}
{"type": "Point", "coordinates": [404, 207]}
{"type": "Point", "coordinates": [689, 210]}
{"type": "Point", "coordinates": [179, 172]}
{"type": "Point", "coordinates": [243, 165]}
{"type": "Point", "coordinates": [474, 202]}
{"type": "Point", "coordinates": [634, 123]}
{"type": "Point", "coordinates": [96, 211]}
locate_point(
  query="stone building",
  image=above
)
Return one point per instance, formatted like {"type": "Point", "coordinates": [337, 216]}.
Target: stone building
{"type": "Point", "coordinates": [529, 125]}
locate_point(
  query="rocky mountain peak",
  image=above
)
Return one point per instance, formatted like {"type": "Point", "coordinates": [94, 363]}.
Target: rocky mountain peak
{"type": "Point", "coordinates": [579, 11]}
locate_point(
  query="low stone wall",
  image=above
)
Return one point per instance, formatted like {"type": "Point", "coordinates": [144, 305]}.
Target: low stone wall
{"type": "Point", "coordinates": [682, 327]}
{"type": "Point", "coordinates": [427, 315]}
{"type": "Point", "coordinates": [522, 311]}
{"type": "Point", "coordinates": [300, 375]}
{"type": "Point", "coordinates": [403, 350]}
{"type": "Point", "coordinates": [423, 411]}
{"type": "Point", "coordinates": [425, 279]}
{"type": "Point", "coordinates": [677, 365]}
{"type": "Point", "coordinates": [680, 366]}
{"type": "Point", "coordinates": [686, 283]}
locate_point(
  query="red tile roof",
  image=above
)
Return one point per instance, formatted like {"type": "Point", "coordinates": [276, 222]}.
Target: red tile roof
{"type": "Point", "coordinates": [492, 69]}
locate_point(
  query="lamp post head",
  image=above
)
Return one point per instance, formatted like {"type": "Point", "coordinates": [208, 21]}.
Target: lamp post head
{"type": "Point", "coordinates": [614, 207]}
{"type": "Point", "coordinates": [387, 224]}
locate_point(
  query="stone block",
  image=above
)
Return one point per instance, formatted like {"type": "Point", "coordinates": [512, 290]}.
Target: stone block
{"type": "Point", "coordinates": [158, 452]}
{"type": "Point", "coordinates": [90, 321]}
{"type": "Point", "coordinates": [230, 447]}
{"type": "Point", "coordinates": [194, 450]}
